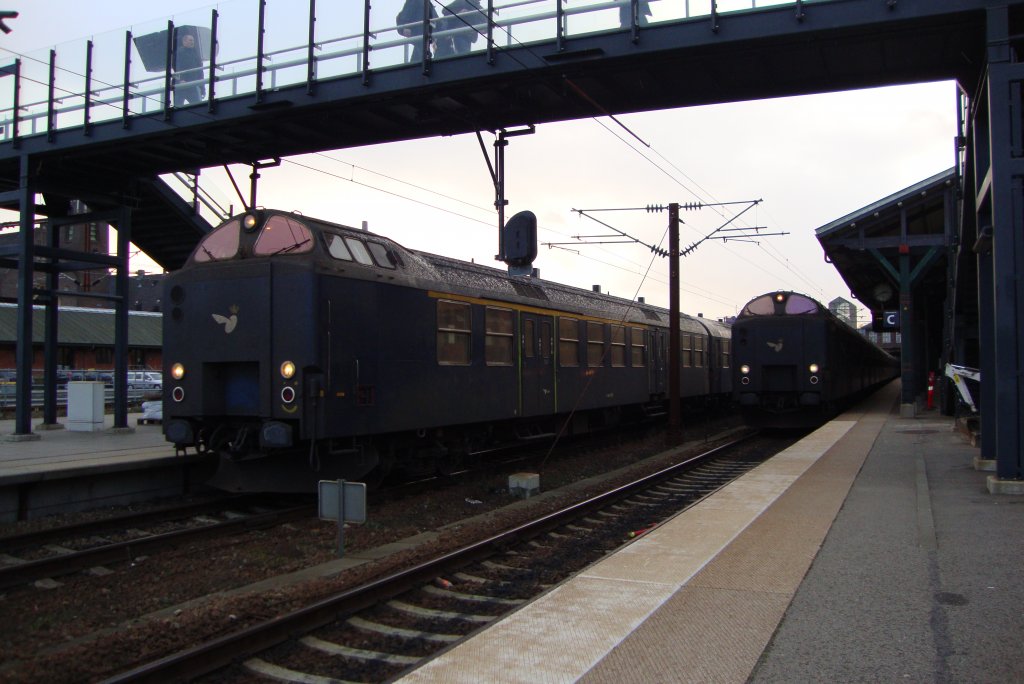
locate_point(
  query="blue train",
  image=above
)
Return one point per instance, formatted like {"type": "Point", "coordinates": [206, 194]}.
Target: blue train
{"type": "Point", "coordinates": [797, 365]}
{"type": "Point", "coordinates": [297, 349]}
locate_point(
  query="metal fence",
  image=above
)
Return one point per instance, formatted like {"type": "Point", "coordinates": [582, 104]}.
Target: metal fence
{"type": "Point", "coordinates": [249, 46]}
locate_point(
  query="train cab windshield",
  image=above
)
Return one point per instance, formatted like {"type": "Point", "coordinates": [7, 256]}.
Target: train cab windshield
{"type": "Point", "coordinates": [284, 234]}
{"type": "Point", "coordinates": [278, 235]}
{"type": "Point", "coordinates": [221, 244]}
{"type": "Point", "coordinates": [780, 303]}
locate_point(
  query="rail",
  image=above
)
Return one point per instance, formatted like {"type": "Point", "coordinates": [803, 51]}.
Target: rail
{"type": "Point", "coordinates": [118, 75]}
{"type": "Point", "coordinates": [233, 647]}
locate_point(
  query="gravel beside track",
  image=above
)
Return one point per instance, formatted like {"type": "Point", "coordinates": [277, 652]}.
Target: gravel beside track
{"type": "Point", "coordinates": [95, 624]}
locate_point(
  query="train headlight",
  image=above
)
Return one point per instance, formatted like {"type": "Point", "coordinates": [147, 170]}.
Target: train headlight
{"type": "Point", "coordinates": [177, 371]}
{"type": "Point", "coordinates": [287, 370]}
{"type": "Point", "coordinates": [745, 369]}
{"type": "Point", "coordinates": [813, 368]}
{"type": "Point", "coordinates": [249, 222]}
{"type": "Point", "coordinates": [779, 297]}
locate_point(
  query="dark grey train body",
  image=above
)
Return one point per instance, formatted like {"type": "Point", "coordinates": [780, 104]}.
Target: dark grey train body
{"type": "Point", "coordinates": [795, 364]}
{"type": "Point", "coordinates": [301, 350]}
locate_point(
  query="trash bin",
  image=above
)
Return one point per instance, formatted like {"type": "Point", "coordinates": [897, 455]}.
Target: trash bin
{"type": "Point", "coordinates": [85, 406]}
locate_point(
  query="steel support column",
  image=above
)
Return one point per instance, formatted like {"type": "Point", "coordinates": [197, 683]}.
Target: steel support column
{"type": "Point", "coordinates": [986, 352]}
{"type": "Point", "coordinates": [1005, 199]}
{"type": "Point", "coordinates": [50, 342]}
{"type": "Point", "coordinates": [124, 233]}
{"type": "Point", "coordinates": [26, 276]}
{"type": "Point", "coordinates": [908, 335]}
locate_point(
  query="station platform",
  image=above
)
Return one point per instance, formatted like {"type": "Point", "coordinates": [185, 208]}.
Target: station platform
{"type": "Point", "coordinates": [872, 550]}
{"type": "Point", "coordinates": [61, 470]}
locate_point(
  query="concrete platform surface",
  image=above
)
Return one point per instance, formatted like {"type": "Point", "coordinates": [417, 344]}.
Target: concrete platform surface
{"type": "Point", "coordinates": [55, 452]}
{"type": "Point", "coordinates": [870, 551]}
{"type": "Point", "coordinates": [63, 471]}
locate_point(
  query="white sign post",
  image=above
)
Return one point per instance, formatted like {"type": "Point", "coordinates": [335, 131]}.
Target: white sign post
{"type": "Point", "coordinates": [344, 502]}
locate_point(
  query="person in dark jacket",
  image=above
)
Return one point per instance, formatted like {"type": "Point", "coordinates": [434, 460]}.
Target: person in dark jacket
{"type": "Point", "coordinates": [410, 24]}
{"type": "Point", "coordinates": [188, 72]}
{"type": "Point", "coordinates": [462, 17]}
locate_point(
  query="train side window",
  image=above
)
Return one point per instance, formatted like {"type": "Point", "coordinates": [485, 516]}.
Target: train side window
{"type": "Point", "coordinates": [726, 352]}
{"type": "Point", "coordinates": [529, 339]}
{"type": "Point", "coordinates": [499, 331]}
{"type": "Point", "coordinates": [337, 249]}
{"type": "Point", "coordinates": [618, 346]}
{"type": "Point", "coordinates": [454, 333]}
{"type": "Point", "coordinates": [359, 251]}
{"type": "Point", "coordinates": [568, 342]}
{"type": "Point", "coordinates": [221, 244]}
{"type": "Point", "coordinates": [381, 255]}
{"type": "Point", "coordinates": [545, 340]}
{"type": "Point", "coordinates": [595, 344]}
{"type": "Point", "coordinates": [283, 235]}
{"type": "Point", "coordinates": [698, 351]}
{"type": "Point", "coordinates": [687, 349]}
{"type": "Point", "coordinates": [638, 347]}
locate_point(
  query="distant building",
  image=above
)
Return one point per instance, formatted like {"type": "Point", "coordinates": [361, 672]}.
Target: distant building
{"type": "Point", "coordinates": [85, 338]}
{"type": "Point", "coordinates": [89, 237]}
{"type": "Point", "coordinates": [145, 291]}
{"type": "Point", "coordinates": [845, 310]}
{"type": "Point", "coordinates": [889, 341]}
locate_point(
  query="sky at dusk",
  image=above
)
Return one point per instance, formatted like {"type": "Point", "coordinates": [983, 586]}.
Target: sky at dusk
{"type": "Point", "coordinates": [810, 160]}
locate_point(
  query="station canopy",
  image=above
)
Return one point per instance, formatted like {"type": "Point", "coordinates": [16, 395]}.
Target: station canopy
{"type": "Point", "coordinates": [866, 246]}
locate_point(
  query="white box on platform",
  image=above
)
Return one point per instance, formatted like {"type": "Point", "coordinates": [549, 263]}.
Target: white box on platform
{"type": "Point", "coordinates": [85, 406]}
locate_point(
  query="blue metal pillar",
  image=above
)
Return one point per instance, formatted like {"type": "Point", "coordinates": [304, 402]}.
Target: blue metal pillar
{"type": "Point", "coordinates": [908, 356]}
{"type": "Point", "coordinates": [124, 232]}
{"type": "Point", "coordinates": [26, 277]}
{"type": "Point", "coordinates": [987, 352]}
{"type": "Point", "coordinates": [50, 342]}
{"type": "Point", "coordinates": [1003, 192]}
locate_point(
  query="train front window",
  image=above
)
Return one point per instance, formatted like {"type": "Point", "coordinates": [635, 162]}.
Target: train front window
{"type": "Point", "coordinates": [221, 244]}
{"type": "Point", "coordinates": [283, 235]}
{"type": "Point", "coordinates": [762, 306]}
{"type": "Point", "coordinates": [798, 304]}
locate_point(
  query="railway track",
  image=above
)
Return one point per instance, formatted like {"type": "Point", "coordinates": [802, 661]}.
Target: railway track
{"type": "Point", "coordinates": [46, 554]}
{"type": "Point", "coordinates": [387, 626]}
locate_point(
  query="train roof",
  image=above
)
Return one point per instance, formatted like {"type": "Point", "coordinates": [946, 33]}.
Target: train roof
{"type": "Point", "coordinates": [437, 272]}
{"type": "Point", "coordinates": [782, 303]}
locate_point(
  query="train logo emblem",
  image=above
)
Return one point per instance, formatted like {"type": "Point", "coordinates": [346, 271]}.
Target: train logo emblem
{"type": "Point", "coordinates": [776, 346]}
{"type": "Point", "coordinates": [229, 322]}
